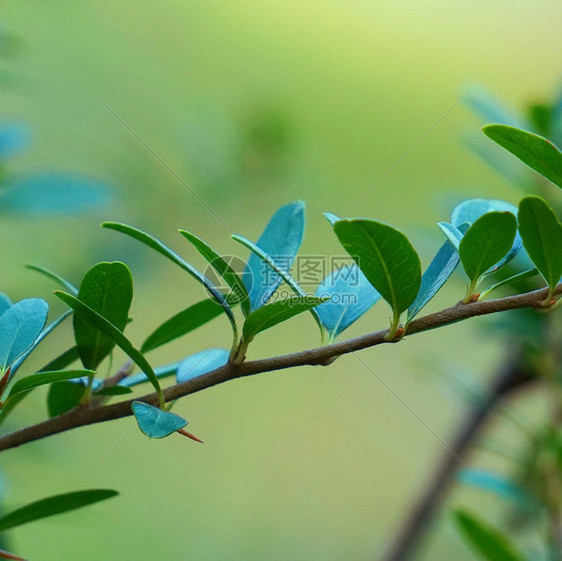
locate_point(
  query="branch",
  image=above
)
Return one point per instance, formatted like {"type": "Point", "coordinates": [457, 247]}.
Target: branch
{"type": "Point", "coordinates": [513, 375]}
{"type": "Point", "coordinates": [82, 416]}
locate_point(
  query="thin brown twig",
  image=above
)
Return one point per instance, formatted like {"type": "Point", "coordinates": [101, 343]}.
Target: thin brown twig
{"type": "Point", "coordinates": [319, 356]}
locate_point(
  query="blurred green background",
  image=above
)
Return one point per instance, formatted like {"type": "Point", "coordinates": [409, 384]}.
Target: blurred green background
{"type": "Point", "coordinates": [255, 104]}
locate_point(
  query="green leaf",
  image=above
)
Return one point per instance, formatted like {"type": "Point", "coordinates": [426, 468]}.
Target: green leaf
{"type": "Point", "coordinates": [182, 323]}
{"type": "Point", "coordinates": [386, 257]}
{"type": "Point", "coordinates": [280, 241]}
{"type": "Point", "coordinates": [154, 422]}
{"type": "Point", "coordinates": [159, 247]}
{"type": "Point", "coordinates": [230, 276]}
{"type": "Point", "coordinates": [42, 378]}
{"type": "Point", "coordinates": [536, 151]}
{"type": "Point", "coordinates": [107, 288]}
{"type": "Point", "coordinates": [487, 541]}
{"type": "Point", "coordinates": [280, 272]}
{"type": "Point", "coordinates": [488, 240]}
{"type": "Point", "coordinates": [113, 390]}
{"type": "Point", "coordinates": [541, 231]}
{"type": "Point", "coordinates": [271, 314]}
{"type": "Point", "coordinates": [57, 278]}
{"type": "Point", "coordinates": [99, 322]}
{"type": "Point", "coordinates": [529, 273]}
{"type": "Point", "coordinates": [20, 325]}
{"type": "Point", "coordinates": [54, 505]}
{"type": "Point", "coordinates": [64, 396]}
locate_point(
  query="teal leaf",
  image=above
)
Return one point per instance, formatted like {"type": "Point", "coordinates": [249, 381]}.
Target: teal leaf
{"type": "Point", "coordinates": [268, 261]}
{"type": "Point", "coordinates": [493, 483]}
{"type": "Point", "coordinates": [536, 151]}
{"type": "Point", "coordinates": [541, 231]}
{"type": "Point", "coordinates": [276, 312]}
{"type": "Point", "coordinates": [350, 296]}
{"type": "Point", "coordinates": [386, 257]}
{"type": "Point", "coordinates": [116, 335]}
{"type": "Point", "coordinates": [154, 422]}
{"type": "Point", "coordinates": [230, 276]}
{"type": "Point", "coordinates": [201, 363]}
{"type": "Point", "coordinates": [20, 325]}
{"type": "Point", "coordinates": [57, 278]}
{"type": "Point", "coordinates": [182, 323]}
{"type": "Point", "coordinates": [159, 247]}
{"type": "Point", "coordinates": [57, 504]}
{"type": "Point", "coordinates": [47, 193]}
{"type": "Point", "coordinates": [107, 288]}
{"type": "Point", "coordinates": [281, 241]}
{"type": "Point", "coordinates": [14, 138]}
{"type": "Point", "coordinates": [489, 108]}
{"type": "Point", "coordinates": [486, 242]}
{"type": "Point", "coordinates": [42, 378]}
{"type": "Point", "coordinates": [5, 303]}
{"type": "Point", "coordinates": [452, 233]}
{"type": "Point", "coordinates": [113, 390]}
{"type": "Point", "coordinates": [434, 277]}
{"type": "Point", "coordinates": [487, 541]}
{"type": "Point", "coordinates": [64, 396]}
{"type": "Point", "coordinates": [160, 371]}
{"type": "Point", "coordinates": [332, 218]}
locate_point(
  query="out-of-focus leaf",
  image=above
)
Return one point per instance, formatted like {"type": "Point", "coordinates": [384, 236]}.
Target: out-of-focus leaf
{"type": "Point", "coordinates": [107, 288]}
{"type": "Point", "coordinates": [57, 278]}
{"type": "Point", "coordinates": [159, 247]}
{"type": "Point", "coordinates": [529, 273]}
{"type": "Point", "coordinates": [99, 322]}
{"type": "Point", "coordinates": [20, 325]}
{"type": "Point", "coordinates": [7, 555]}
{"type": "Point", "coordinates": [350, 296]}
{"type": "Point", "coordinates": [493, 483]}
{"type": "Point", "coordinates": [182, 323]}
{"type": "Point", "coordinates": [14, 138]}
{"type": "Point", "coordinates": [54, 505]}
{"type": "Point", "coordinates": [434, 277]}
{"type": "Point", "coordinates": [487, 541]}
{"type": "Point", "coordinates": [490, 108]}
{"type": "Point", "coordinates": [386, 257]}
{"type": "Point", "coordinates": [536, 151]}
{"type": "Point", "coordinates": [486, 242]}
{"type": "Point", "coordinates": [276, 312]}
{"type": "Point", "coordinates": [154, 422]}
{"type": "Point", "coordinates": [201, 363]}
{"type": "Point", "coordinates": [541, 231]}
{"type": "Point", "coordinates": [53, 193]}
{"type": "Point", "coordinates": [42, 378]}
{"type": "Point", "coordinates": [281, 241]}
{"type": "Point", "coordinates": [230, 276]}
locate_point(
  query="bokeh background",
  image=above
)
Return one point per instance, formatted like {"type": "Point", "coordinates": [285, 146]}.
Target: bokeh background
{"type": "Point", "coordinates": [252, 105]}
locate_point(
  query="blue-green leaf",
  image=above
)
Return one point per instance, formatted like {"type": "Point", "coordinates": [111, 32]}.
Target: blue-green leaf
{"type": "Point", "coordinates": [281, 241]}
{"type": "Point", "coordinates": [493, 483]}
{"type": "Point", "coordinates": [434, 277]}
{"type": "Point", "coordinates": [487, 541]}
{"type": "Point", "coordinates": [536, 151]}
{"type": "Point", "coordinates": [107, 288]}
{"type": "Point", "coordinates": [351, 295]}
{"type": "Point", "coordinates": [490, 108]}
{"type": "Point", "coordinates": [14, 139]}
{"type": "Point", "coordinates": [54, 505]}
{"type": "Point", "coordinates": [201, 363]}
{"type": "Point", "coordinates": [5, 303]}
{"type": "Point", "coordinates": [113, 390]}
{"type": "Point", "coordinates": [161, 372]}
{"type": "Point", "coordinates": [452, 233]}
{"type": "Point", "coordinates": [541, 231]}
{"type": "Point", "coordinates": [154, 422]}
{"type": "Point", "coordinates": [20, 325]}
